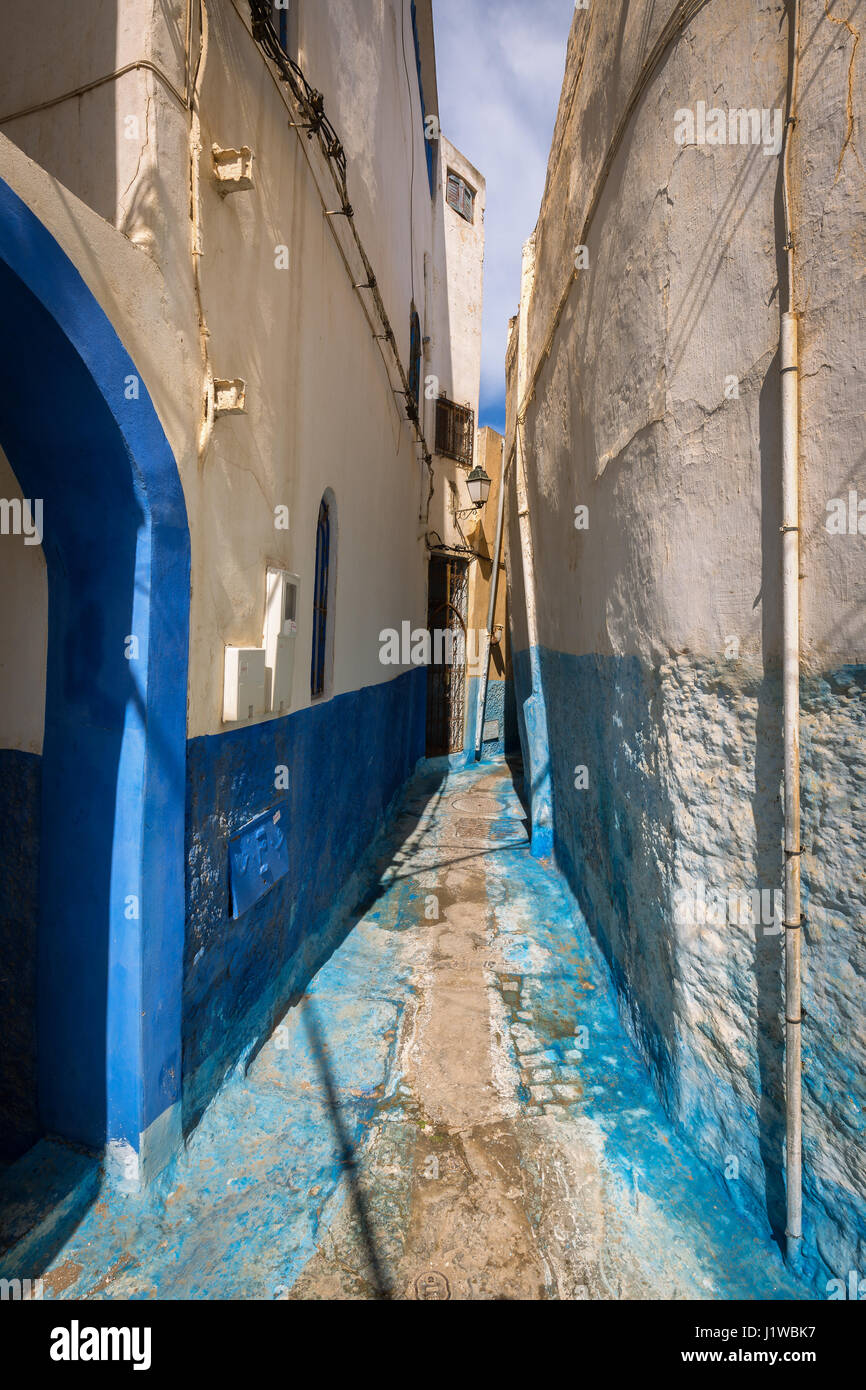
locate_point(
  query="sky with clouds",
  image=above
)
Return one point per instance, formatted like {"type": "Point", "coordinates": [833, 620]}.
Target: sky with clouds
{"type": "Point", "coordinates": [499, 69]}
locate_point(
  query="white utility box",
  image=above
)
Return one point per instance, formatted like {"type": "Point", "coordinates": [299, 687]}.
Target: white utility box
{"type": "Point", "coordinates": [244, 689]}
{"type": "Point", "coordinates": [281, 626]}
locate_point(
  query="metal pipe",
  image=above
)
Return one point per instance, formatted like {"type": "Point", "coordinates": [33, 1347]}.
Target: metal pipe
{"type": "Point", "coordinates": [520, 478]}
{"type": "Point", "coordinates": [791, 716]}
{"type": "Point", "coordinates": [527, 553]}
{"type": "Point", "coordinates": [788, 360]}
{"type": "Point", "coordinates": [491, 613]}
{"type": "Point", "coordinates": [537, 750]}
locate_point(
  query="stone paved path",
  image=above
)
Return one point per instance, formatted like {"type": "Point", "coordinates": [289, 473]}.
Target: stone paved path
{"type": "Point", "coordinates": [452, 1111]}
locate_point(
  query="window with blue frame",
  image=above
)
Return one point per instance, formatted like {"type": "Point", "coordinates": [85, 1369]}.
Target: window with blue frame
{"type": "Point", "coordinates": [320, 601]}
{"type": "Point", "coordinates": [415, 356]}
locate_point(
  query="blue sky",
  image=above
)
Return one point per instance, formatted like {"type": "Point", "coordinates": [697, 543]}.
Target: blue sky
{"type": "Point", "coordinates": [499, 69]}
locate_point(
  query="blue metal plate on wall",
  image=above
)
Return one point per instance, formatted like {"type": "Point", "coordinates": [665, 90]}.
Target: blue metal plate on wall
{"type": "Point", "coordinates": [258, 857]}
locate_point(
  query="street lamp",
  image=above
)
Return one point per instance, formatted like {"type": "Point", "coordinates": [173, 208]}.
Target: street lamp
{"type": "Point", "coordinates": [478, 484]}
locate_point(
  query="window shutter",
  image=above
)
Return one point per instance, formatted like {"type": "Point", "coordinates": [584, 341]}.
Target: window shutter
{"type": "Point", "coordinates": [460, 196]}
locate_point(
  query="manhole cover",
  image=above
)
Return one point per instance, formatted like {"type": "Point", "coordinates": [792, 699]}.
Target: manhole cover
{"type": "Point", "coordinates": [433, 1287]}
{"type": "Point", "coordinates": [486, 807]}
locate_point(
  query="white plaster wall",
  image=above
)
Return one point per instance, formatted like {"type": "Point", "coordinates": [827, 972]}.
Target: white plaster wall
{"type": "Point", "coordinates": [681, 730]}
{"type": "Point", "coordinates": [482, 536]}
{"type": "Point", "coordinates": [458, 278]}
{"type": "Point", "coordinates": [322, 411]}
{"type": "Point", "coordinates": [100, 143]}
{"type": "Point", "coordinates": [453, 354]}
{"type": "Point", "coordinates": [23, 632]}
{"type": "Point", "coordinates": [681, 292]}
{"type": "Point", "coordinates": [321, 407]}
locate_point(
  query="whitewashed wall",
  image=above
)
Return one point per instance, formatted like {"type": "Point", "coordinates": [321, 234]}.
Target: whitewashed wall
{"type": "Point", "coordinates": [321, 408]}
{"type": "Point", "coordinates": [454, 351]}
{"type": "Point", "coordinates": [656, 406]}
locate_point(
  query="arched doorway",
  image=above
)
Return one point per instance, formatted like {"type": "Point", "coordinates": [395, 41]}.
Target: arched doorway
{"type": "Point", "coordinates": [81, 434]}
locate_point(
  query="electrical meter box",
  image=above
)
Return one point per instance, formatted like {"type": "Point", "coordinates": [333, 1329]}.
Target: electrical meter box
{"type": "Point", "coordinates": [244, 688]}
{"type": "Point", "coordinates": [281, 626]}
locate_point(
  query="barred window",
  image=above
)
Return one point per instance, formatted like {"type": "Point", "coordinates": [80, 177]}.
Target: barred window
{"type": "Point", "coordinates": [455, 430]}
{"type": "Point", "coordinates": [460, 196]}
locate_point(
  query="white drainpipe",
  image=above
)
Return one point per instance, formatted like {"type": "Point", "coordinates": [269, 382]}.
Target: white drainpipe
{"type": "Point", "coordinates": [527, 280]}
{"type": "Point", "coordinates": [538, 777]}
{"type": "Point", "coordinates": [791, 706]}
{"type": "Point", "coordinates": [788, 361]}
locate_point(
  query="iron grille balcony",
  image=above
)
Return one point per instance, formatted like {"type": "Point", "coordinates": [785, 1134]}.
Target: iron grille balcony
{"type": "Point", "coordinates": [455, 430]}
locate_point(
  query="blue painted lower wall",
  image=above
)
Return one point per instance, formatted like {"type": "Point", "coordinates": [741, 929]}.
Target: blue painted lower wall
{"type": "Point", "coordinates": [347, 759]}
{"type": "Point", "coordinates": [20, 795]}
{"type": "Point", "coordinates": [684, 765]}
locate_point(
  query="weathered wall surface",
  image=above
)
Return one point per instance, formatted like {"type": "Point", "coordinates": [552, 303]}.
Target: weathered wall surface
{"type": "Point", "coordinates": [457, 282]}
{"type": "Point", "coordinates": [86, 141]}
{"type": "Point", "coordinates": [295, 335]}
{"type": "Point", "coordinates": [321, 409]}
{"type": "Point", "coordinates": [659, 611]}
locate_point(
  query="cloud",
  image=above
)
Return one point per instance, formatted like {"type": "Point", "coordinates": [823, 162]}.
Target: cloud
{"type": "Point", "coordinates": [500, 65]}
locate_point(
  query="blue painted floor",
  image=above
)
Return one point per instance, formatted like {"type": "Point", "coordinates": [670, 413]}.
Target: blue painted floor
{"type": "Point", "coordinates": [453, 1110]}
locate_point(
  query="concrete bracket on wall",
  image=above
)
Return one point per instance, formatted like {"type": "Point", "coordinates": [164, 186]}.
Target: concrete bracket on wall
{"type": "Point", "coordinates": [230, 396]}
{"type": "Point", "coordinates": [233, 169]}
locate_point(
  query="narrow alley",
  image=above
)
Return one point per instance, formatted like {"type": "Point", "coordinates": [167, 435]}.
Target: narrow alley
{"type": "Point", "coordinates": [452, 1111]}
{"type": "Point", "coordinates": [432, 670]}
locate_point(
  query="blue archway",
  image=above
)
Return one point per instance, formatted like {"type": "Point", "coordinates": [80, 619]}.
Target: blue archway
{"type": "Point", "coordinates": [116, 543]}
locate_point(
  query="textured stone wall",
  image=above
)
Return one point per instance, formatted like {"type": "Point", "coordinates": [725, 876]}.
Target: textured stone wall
{"type": "Point", "coordinates": [656, 407]}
